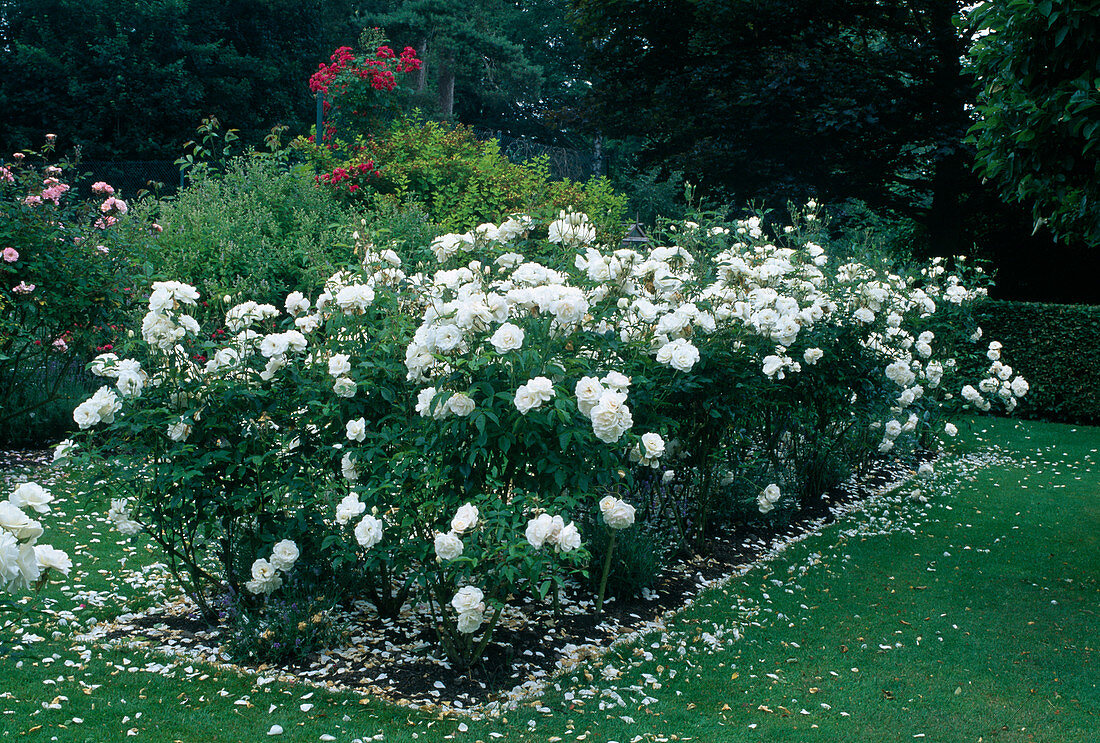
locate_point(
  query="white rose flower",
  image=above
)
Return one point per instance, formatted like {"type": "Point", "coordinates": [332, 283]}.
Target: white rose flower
{"type": "Point", "coordinates": [104, 365]}
{"type": "Point", "coordinates": [339, 364]}
{"type": "Point", "coordinates": [771, 493]}
{"type": "Point", "coordinates": [950, 429]}
{"type": "Point", "coordinates": [588, 392]}
{"type": "Point", "coordinates": [179, 431]}
{"type": "Point", "coordinates": [925, 470]}
{"type": "Point", "coordinates": [447, 546]}
{"type": "Point", "coordinates": [533, 394]}
{"type": "Point", "coordinates": [611, 417]}
{"type": "Point", "coordinates": [12, 519]}
{"type": "Point", "coordinates": [348, 508]}
{"type": "Point", "coordinates": [617, 514]}
{"type": "Point", "coordinates": [461, 404]}
{"type": "Point", "coordinates": [284, 554]}
{"type": "Point", "coordinates": [355, 299]}
{"type": "Point", "coordinates": [307, 323]}
{"type": "Point", "coordinates": [29, 570]}
{"type": "Point", "coordinates": [468, 600]}
{"type": "Point", "coordinates": [680, 354]}
{"type": "Point", "coordinates": [347, 468]}
{"type": "Point", "coordinates": [424, 404]}
{"type": "Point", "coordinates": [296, 304]}
{"type": "Point", "coordinates": [616, 381]}
{"type": "Point", "coordinates": [265, 578]}
{"type": "Point", "coordinates": [368, 532]}
{"type": "Point", "coordinates": [9, 558]}
{"type": "Point", "coordinates": [465, 518]}
{"type": "Point", "coordinates": [33, 495]}
{"type": "Point", "coordinates": [469, 622]}
{"type": "Point", "coordinates": [274, 345]}
{"type": "Point", "coordinates": [569, 538]}
{"type": "Point", "coordinates": [653, 445]}
{"type": "Point", "coordinates": [64, 450]}
{"type": "Point", "coordinates": [813, 355]}
{"type": "Point", "coordinates": [540, 530]}
{"type": "Point", "coordinates": [508, 337]}
{"type": "Point", "coordinates": [273, 365]}
{"type": "Point", "coordinates": [86, 415]}
{"type": "Point", "coordinates": [1020, 386]}
{"type": "Point", "coordinates": [52, 559]}
{"type": "Point", "coordinates": [345, 387]}
{"type": "Point", "coordinates": [357, 429]}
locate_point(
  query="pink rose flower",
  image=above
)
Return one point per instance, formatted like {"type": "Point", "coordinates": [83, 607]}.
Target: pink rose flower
{"type": "Point", "coordinates": [103, 187]}
{"type": "Point", "coordinates": [11, 255]}
{"type": "Point", "coordinates": [113, 204]}
{"type": "Point", "coordinates": [23, 288]}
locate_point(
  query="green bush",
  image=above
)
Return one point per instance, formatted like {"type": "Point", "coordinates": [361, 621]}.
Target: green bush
{"type": "Point", "coordinates": [462, 181]}
{"type": "Point", "coordinates": [1056, 347]}
{"type": "Point", "coordinates": [258, 230]}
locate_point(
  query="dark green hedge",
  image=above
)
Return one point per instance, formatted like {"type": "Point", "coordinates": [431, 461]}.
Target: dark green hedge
{"type": "Point", "coordinates": [1057, 349]}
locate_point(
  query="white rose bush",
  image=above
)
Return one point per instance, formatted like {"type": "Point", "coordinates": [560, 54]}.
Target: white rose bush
{"type": "Point", "coordinates": [456, 426]}
{"type": "Point", "coordinates": [25, 563]}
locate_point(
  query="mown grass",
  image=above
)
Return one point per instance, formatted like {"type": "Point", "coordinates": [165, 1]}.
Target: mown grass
{"type": "Point", "coordinates": [972, 617]}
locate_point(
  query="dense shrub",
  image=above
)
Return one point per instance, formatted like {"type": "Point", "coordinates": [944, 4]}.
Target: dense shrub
{"type": "Point", "coordinates": [1057, 347]}
{"type": "Point", "coordinates": [259, 230]}
{"type": "Point", "coordinates": [461, 180]}
{"type": "Point", "coordinates": [458, 431]}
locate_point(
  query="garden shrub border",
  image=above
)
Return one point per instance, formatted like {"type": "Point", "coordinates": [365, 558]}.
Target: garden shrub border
{"type": "Point", "coordinates": [1057, 348]}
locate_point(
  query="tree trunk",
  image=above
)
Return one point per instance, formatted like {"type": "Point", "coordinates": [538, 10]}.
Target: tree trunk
{"type": "Point", "coordinates": [447, 85]}
{"type": "Point", "coordinates": [422, 73]}
{"type": "Point", "coordinates": [945, 218]}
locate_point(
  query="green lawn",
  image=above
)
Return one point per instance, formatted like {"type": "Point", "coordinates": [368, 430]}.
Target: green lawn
{"type": "Point", "coordinates": [972, 617]}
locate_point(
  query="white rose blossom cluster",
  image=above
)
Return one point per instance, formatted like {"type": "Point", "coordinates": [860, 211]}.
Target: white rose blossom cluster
{"type": "Point", "coordinates": [369, 531]}
{"type": "Point", "coordinates": [545, 529]}
{"type": "Point", "coordinates": [24, 562]}
{"type": "Point", "coordinates": [267, 575]}
{"type": "Point", "coordinates": [469, 603]}
{"type": "Point", "coordinates": [449, 545]}
{"type": "Point", "coordinates": [165, 325]}
{"type": "Point", "coordinates": [768, 497]}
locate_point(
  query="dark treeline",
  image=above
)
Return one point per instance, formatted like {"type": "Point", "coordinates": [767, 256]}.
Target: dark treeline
{"type": "Point", "coordinates": [858, 103]}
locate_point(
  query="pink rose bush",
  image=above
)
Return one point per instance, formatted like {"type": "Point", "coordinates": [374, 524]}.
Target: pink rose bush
{"type": "Point", "coordinates": [59, 291]}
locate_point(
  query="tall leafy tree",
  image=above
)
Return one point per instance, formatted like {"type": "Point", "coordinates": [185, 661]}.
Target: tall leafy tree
{"type": "Point", "coordinates": [512, 66]}
{"type": "Point", "coordinates": [133, 79]}
{"type": "Point", "coordinates": [787, 98]}
{"type": "Point", "coordinates": [1038, 131]}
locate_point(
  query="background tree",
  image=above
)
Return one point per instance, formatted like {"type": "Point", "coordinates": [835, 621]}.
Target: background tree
{"type": "Point", "coordinates": [131, 79]}
{"type": "Point", "coordinates": [1039, 109]}
{"type": "Point", "coordinates": [508, 66]}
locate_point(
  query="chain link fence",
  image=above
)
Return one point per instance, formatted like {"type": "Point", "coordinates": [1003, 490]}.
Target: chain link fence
{"type": "Point", "coordinates": [162, 177]}
{"type": "Point", "coordinates": [564, 162]}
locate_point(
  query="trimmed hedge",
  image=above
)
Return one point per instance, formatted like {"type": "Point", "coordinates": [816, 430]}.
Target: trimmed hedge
{"type": "Point", "coordinates": [1057, 349]}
